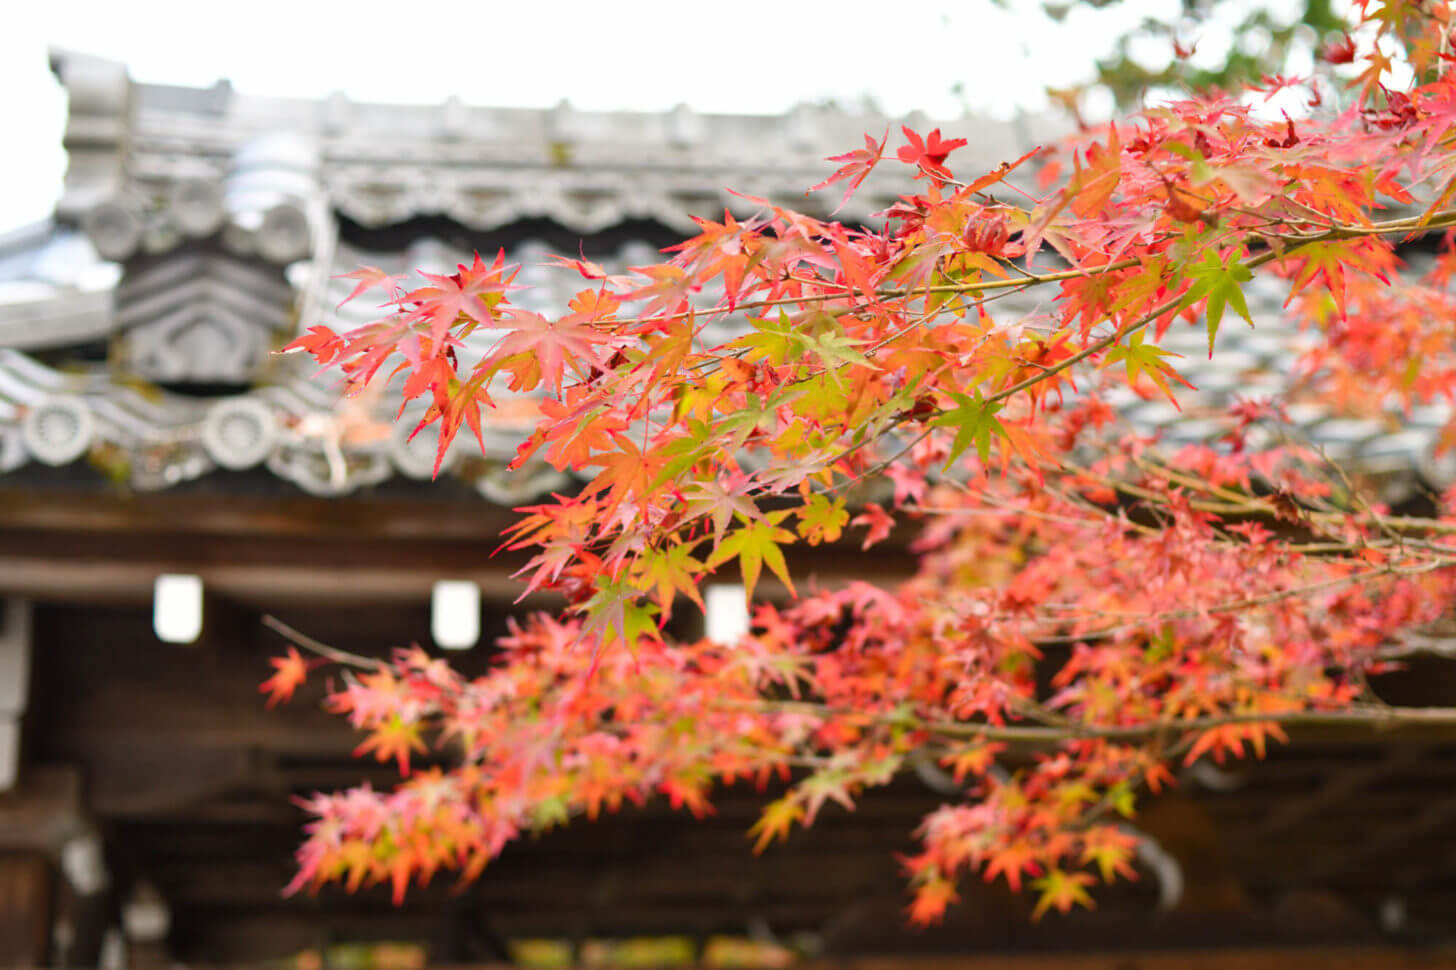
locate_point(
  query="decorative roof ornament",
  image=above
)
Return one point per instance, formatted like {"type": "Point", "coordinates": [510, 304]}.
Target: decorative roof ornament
{"type": "Point", "coordinates": [99, 94]}
{"type": "Point", "coordinates": [58, 431]}
{"type": "Point", "coordinates": [273, 198]}
{"type": "Point", "coordinates": [239, 432]}
{"type": "Point", "coordinates": [198, 316]}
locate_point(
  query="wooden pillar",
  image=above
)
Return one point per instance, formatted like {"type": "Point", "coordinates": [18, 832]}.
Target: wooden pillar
{"type": "Point", "coordinates": [54, 884]}
{"type": "Point", "coordinates": [27, 889]}
{"type": "Point", "coordinates": [27, 872]}
{"type": "Point", "coordinates": [85, 903]}
{"type": "Point", "coordinates": [14, 686]}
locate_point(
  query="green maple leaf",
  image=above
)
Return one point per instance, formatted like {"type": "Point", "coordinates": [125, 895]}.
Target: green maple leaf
{"type": "Point", "coordinates": [1072, 795]}
{"type": "Point", "coordinates": [781, 342]}
{"type": "Point", "coordinates": [670, 571]}
{"type": "Point", "coordinates": [1144, 358]}
{"type": "Point", "coordinates": [757, 412]}
{"type": "Point", "coordinates": [975, 422]}
{"type": "Point", "coordinates": [826, 784]}
{"type": "Point", "coordinates": [837, 350]}
{"type": "Point", "coordinates": [774, 341]}
{"type": "Point", "coordinates": [617, 612]}
{"type": "Point", "coordinates": [1218, 282]}
{"type": "Point", "coordinates": [826, 398]}
{"type": "Point", "coordinates": [1122, 799]}
{"type": "Point", "coordinates": [1111, 855]}
{"type": "Point", "coordinates": [680, 454]}
{"type": "Point", "coordinates": [822, 520]}
{"type": "Point", "coordinates": [778, 817]}
{"type": "Point", "coordinates": [1062, 890]}
{"type": "Point", "coordinates": [755, 544]}
{"type": "Point", "coordinates": [548, 813]}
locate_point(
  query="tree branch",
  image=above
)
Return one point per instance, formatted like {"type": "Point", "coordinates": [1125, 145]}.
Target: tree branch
{"type": "Point", "coordinates": [1375, 717]}
{"type": "Point", "coordinates": [300, 639]}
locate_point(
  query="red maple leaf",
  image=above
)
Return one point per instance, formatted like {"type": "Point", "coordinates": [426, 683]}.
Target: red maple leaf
{"type": "Point", "coordinates": [929, 153]}
{"type": "Point", "coordinates": [467, 294]}
{"type": "Point", "coordinates": [877, 520]}
{"type": "Point", "coordinates": [320, 342]}
{"type": "Point", "coordinates": [857, 166]}
{"type": "Point", "coordinates": [369, 277]}
{"type": "Point", "coordinates": [552, 343]}
{"type": "Point", "coordinates": [1340, 52]}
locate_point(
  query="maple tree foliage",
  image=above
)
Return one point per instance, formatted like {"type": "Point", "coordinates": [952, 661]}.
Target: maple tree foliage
{"type": "Point", "coordinates": [1093, 607]}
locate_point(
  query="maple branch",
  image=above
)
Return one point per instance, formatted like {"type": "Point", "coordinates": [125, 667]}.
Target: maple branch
{"type": "Point", "coordinates": [1259, 505]}
{"type": "Point", "coordinates": [1135, 620]}
{"type": "Point", "coordinates": [318, 647]}
{"type": "Point", "coordinates": [1377, 717]}
{"type": "Point", "coordinates": [1442, 220]}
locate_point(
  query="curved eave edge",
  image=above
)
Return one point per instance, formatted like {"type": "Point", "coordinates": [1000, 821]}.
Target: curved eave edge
{"type": "Point", "coordinates": [154, 441]}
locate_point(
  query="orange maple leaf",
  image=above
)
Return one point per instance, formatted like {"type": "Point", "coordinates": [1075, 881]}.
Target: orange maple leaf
{"type": "Point", "coordinates": [290, 672]}
{"type": "Point", "coordinates": [1011, 861]}
{"type": "Point", "coordinates": [395, 738]}
{"type": "Point", "coordinates": [931, 899]}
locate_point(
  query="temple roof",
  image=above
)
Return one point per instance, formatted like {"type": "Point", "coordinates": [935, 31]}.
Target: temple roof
{"type": "Point", "coordinates": [201, 228]}
{"type": "Point", "coordinates": [380, 164]}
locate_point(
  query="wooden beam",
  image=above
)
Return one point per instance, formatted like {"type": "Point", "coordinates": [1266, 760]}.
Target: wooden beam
{"type": "Point", "coordinates": [76, 546]}
{"type": "Point", "coordinates": [1379, 840]}
{"type": "Point", "coordinates": [349, 574]}
{"type": "Point", "coordinates": [1270, 958]}
{"type": "Point", "coordinates": [100, 510]}
{"type": "Point", "coordinates": [1338, 787]}
{"type": "Point", "coordinates": [272, 586]}
{"type": "Point", "coordinates": [217, 936]}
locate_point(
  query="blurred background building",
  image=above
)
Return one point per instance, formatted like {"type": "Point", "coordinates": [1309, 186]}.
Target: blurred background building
{"type": "Point", "coordinates": [164, 476]}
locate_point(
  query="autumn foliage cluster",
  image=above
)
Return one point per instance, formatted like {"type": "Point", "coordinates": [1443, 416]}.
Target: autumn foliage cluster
{"type": "Point", "coordinates": [1093, 607]}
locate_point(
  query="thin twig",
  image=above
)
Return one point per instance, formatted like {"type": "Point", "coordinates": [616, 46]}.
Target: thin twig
{"type": "Point", "coordinates": [1376, 717]}
{"type": "Point", "coordinates": [300, 639]}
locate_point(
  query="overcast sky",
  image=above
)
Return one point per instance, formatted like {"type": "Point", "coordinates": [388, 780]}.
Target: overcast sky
{"type": "Point", "coordinates": [714, 55]}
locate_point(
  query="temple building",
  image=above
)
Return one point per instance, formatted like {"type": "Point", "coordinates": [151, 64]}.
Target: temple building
{"type": "Point", "coordinates": [155, 449]}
